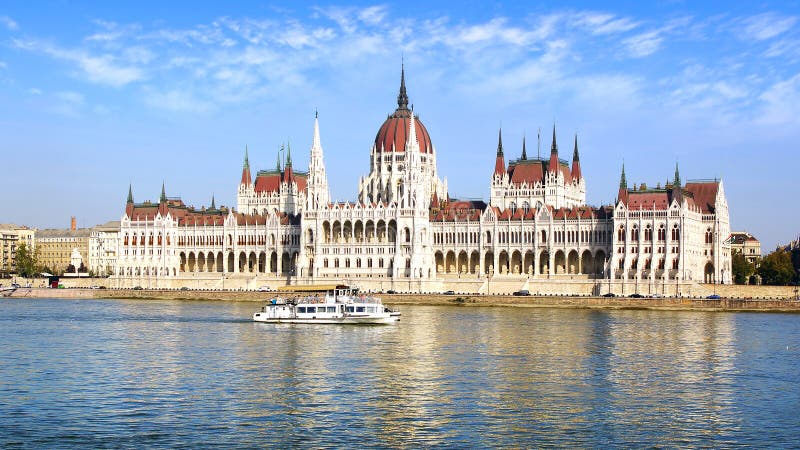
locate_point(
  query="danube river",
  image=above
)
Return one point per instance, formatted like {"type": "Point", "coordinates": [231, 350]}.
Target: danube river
{"type": "Point", "coordinates": [126, 373]}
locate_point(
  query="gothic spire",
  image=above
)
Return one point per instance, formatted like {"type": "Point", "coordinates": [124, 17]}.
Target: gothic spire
{"type": "Point", "coordinates": [553, 166]}
{"type": "Point", "coordinates": [278, 164]}
{"type": "Point", "coordinates": [316, 144]}
{"type": "Point", "coordinates": [163, 193]}
{"type": "Point", "coordinates": [213, 204]}
{"type": "Point", "coordinates": [130, 193]}
{"type": "Point", "coordinates": [402, 97]}
{"type": "Point", "coordinates": [500, 142]}
{"type": "Point", "coordinates": [289, 154]}
{"type": "Point", "coordinates": [524, 153]}
{"type": "Point", "coordinates": [677, 180]}
{"type": "Point", "coordinates": [576, 161]}
{"type": "Point", "coordinates": [623, 182]}
{"type": "Point", "coordinates": [677, 191]}
{"type": "Point", "coordinates": [246, 178]}
{"type": "Point", "coordinates": [500, 162]}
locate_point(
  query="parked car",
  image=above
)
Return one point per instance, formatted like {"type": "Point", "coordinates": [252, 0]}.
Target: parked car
{"type": "Point", "coordinates": [636, 295]}
{"type": "Point", "coordinates": [522, 292]}
{"type": "Point", "coordinates": [609, 294]}
{"type": "Point", "coordinates": [656, 296]}
{"type": "Point", "coordinates": [265, 289]}
{"type": "Point", "coordinates": [713, 297]}
{"type": "Point", "coordinates": [184, 288]}
{"type": "Point", "coordinates": [449, 292]}
{"type": "Point", "coordinates": [391, 291]}
{"type": "Point", "coordinates": [137, 288]}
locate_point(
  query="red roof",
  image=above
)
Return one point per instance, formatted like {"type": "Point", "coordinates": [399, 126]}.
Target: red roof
{"type": "Point", "coordinates": [704, 194]}
{"type": "Point", "coordinates": [649, 200]}
{"type": "Point", "coordinates": [394, 131]}
{"type": "Point", "coordinates": [271, 181]}
{"type": "Point", "coordinates": [533, 171]}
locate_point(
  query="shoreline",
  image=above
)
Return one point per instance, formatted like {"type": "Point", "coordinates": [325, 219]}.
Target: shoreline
{"type": "Point", "coordinates": [576, 302]}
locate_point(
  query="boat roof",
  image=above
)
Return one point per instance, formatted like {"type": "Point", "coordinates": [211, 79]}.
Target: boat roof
{"type": "Point", "coordinates": [312, 288]}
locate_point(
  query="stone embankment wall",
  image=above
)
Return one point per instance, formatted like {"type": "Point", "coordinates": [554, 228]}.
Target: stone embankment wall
{"type": "Point", "coordinates": [669, 303]}
{"type": "Point", "coordinates": [501, 285]}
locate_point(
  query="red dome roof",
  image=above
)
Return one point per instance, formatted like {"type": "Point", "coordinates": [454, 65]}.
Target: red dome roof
{"type": "Point", "coordinates": [394, 131]}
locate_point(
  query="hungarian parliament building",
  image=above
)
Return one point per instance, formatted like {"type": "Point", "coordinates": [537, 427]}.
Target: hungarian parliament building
{"type": "Point", "coordinates": [404, 228]}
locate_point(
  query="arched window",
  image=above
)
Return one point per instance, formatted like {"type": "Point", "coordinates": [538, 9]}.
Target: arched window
{"type": "Point", "coordinates": [526, 207]}
{"type": "Point", "coordinates": [513, 207]}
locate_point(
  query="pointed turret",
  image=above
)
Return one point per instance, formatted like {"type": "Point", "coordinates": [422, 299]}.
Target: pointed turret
{"type": "Point", "coordinates": [317, 193]}
{"type": "Point", "coordinates": [500, 162]}
{"type": "Point", "coordinates": [677, 190]}
{"type": "Point", "coordinates": [524, 156]}
{"type": "Point", "coordinates": [246, 178]}
{"type": "Point", "coordinates": [278, 163]}
{"type": "Point", "coordinates": [162, 203]}
{"type": "Point", "coordinates": [623, 186]}
{"type": "Point", "coordinates": [129, 204]}
{"type": "Point", "coordinates": [213, 204]}
{"type": "Point", "coordinates": [402, 97]}
{"type": "Point", "coordinates": [553, 166]}
{"type": "Point", "coordinates": [576, 162]}
{"type": "Point", "coordinates": [288, 174]}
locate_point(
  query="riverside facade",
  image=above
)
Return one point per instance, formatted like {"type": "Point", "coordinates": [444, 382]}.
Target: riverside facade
{"type": "Point", "coordinates": [405, 227]}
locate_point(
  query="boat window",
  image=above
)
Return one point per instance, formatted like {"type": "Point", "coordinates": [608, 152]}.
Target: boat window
{"type": "Point", "coordinates": [331, 309]}
{"type": "Point", "coordinates": [349, 309]}
{"type": "Point", "coordinates": [311, 309]}
{"type": "Point", "coordinates": [301, 309]}
{"type": "Point", "coordinates": [359, 309]}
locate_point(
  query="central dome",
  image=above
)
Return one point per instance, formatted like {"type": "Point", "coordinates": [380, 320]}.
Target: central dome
{"type": "Point", "coordinates": [393, 134]}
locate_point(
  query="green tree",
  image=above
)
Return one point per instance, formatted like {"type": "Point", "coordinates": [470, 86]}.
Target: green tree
{"type": "Point", "coordinates": [742, 269]}
{"type": "Point", "coordinates": [27, 261]}
{"type": "Point", "coordinates": [776, 268]}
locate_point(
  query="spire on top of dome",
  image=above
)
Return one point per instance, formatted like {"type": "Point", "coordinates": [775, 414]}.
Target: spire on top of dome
{"type": "Point", "coordinates": [402, 97]}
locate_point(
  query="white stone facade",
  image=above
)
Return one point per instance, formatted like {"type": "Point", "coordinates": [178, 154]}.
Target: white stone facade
{"type": "Point", "coordinates": [404, 227]}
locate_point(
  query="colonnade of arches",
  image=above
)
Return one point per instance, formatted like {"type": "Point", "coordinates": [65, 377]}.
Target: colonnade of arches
{"type": "Point", "coordinates": [241, 262]}
{"type": "Point", "coordinates": [347, 231]}
{"type": "Point", "coordinates": [517, 262]}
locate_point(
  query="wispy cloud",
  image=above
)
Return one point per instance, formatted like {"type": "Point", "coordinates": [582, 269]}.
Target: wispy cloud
{"type": "Point", "coordinates": [9, 23]}
{"type": "Point", "coordinates": [767, 25]}
{"type": "Point", "coordinates": [104, 69]}
{"type": "Point", "coordinates": [643, 44]}
{"type": "Point", "coordinates": [603, 23]}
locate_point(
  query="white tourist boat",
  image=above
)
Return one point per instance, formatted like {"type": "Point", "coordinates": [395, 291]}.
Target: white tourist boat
{"type": "Point", "coordinates": [339, 305]}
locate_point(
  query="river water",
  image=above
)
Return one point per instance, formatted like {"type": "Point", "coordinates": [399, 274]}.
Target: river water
{"type": "Point", "coordinates": [128, 373]}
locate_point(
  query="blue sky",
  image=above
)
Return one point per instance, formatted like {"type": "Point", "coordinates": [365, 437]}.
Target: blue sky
{"type": "Point", "coordinates": [97, 95]}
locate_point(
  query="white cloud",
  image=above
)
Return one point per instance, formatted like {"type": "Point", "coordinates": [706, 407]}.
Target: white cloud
{"type": "Point", "coordinates": [643, 44]}
{"type": "Point", "coordinates": [9, 23]}
{"type": "Point", "coordinates": [372, 15]}
{"type": "Point", "coordinates": [35, 91]}
{"type": "Point", "coordinates": [781, 103]}
{"type": "Point", "coordinates": [767, 25]}
{"type": "Point", "coordinates": [602, 23]}
{"type": "Point", "coordinates": [102, 69]}
{"type": "Point", "coordinates": [176, 101]}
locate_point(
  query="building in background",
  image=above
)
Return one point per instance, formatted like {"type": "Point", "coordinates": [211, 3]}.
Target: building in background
{"type": "Point", "coordinates": [11, 236]}
{"type": "Point", "coordinates": [103, 243]}
{"type": "Point", "coordinates": [56, 246]}
{"type": "Point", "coordinates": [746, 244]}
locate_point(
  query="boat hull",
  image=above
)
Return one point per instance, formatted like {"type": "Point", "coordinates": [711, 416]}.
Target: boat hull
{"type": "Point", "coordinates": [332, 320]}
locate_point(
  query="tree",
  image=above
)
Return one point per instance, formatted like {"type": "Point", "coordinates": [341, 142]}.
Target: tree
{"type": "Point", "coordinates": [27, 261]}
{"type": "Point", "coordinates": [742, 268]}
{"type": "Point", "coordinates": [776, 268]}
